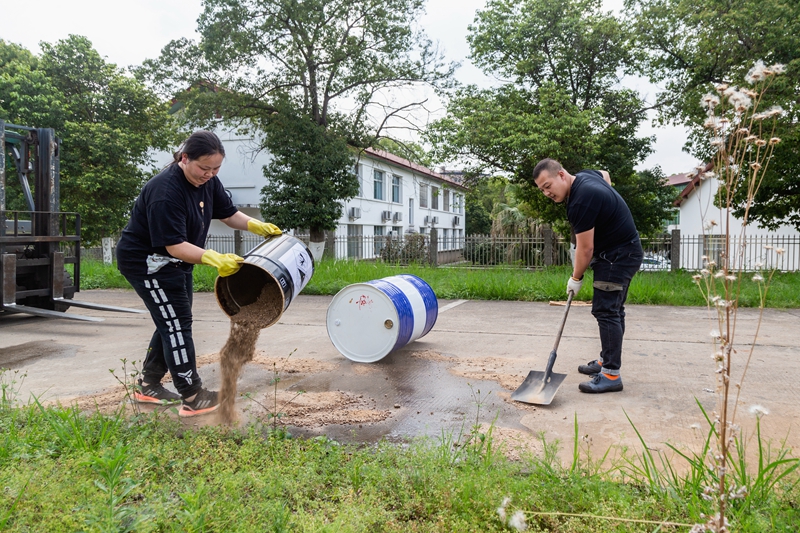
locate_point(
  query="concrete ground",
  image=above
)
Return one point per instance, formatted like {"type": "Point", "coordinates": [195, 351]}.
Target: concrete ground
{"type": "Point", "coordinates": [460, 374]}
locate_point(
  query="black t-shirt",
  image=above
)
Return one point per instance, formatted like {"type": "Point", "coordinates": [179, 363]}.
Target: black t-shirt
{"type": "Point", "coordinates": [593, 203]}
{"type": "Point", "coordinates": [169, 211]}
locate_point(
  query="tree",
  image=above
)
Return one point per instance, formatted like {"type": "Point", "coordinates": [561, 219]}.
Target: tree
{"type": "Point", "coordinates": [335, 62]}
{"type": "Point", "coordinates": [107, 120]}
{"type": "Point", "coordinates": [645, 189]}
{"type": "Point", "coordinates": [690, 45]}
{"type": "Point", "coordinates": [311, 169]}
{"type": "Point", "coordinates": [565, 59]}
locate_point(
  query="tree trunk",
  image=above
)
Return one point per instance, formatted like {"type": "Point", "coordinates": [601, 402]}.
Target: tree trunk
{"type": "Point", "coordinates": [317, 244]}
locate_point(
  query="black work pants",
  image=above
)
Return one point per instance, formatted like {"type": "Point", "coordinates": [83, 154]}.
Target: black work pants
{"type": "Point", "coordinates": [613, 271]}
{"type": "Point", "coordinates": [168, 296]}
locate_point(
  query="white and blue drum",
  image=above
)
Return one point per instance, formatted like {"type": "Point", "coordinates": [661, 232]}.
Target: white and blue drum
{"type": "Point", "coordinates": [367, 321]}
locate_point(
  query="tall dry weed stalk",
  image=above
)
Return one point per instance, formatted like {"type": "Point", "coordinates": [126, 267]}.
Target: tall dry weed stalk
{"type": "Point", "coordinates": [742, 139]}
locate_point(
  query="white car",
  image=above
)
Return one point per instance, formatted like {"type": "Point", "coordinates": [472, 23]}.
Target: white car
{"type": "Point", "coordinates": [653, 262]}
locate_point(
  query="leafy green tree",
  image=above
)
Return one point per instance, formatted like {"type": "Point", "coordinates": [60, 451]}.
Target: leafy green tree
{"type": "Point", "coordinates": [335, 62]}
{"type": "Point", "coordinates": [689, 45]}
{"type": "Point", "coordinates": [477, 218]}
{"type": "Point", "coordinates": [310, 170]}
{"type": "Point", "coordinates": [645, 189]}
{"type": "Point", "coordinates": [565, 59]}
{"type": "Point", "coordinates": [107, 120]}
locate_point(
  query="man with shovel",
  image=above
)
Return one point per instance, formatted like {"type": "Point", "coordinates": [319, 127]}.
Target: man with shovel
{"type": "Point", "coordinates": [607, 240]}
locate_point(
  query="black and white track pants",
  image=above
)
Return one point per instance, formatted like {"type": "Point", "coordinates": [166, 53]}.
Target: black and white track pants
{"type": "Point", "coordinates": [168, 296]}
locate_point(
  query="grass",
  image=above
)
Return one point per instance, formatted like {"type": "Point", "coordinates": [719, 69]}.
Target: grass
{"type": "Point", "coordinates": [648, 288]}
{"type": "Point", "coordinates": [150, 473]}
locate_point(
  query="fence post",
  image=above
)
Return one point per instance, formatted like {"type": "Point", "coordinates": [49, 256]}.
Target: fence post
{"type": "Point", "coordinates": [433, 248]}
{"type": "Point", "coordinates": [330, 244]}
{"type": "Point", "coordinates": [547, 234]}
{"type": "Point", "coordinates": [675, 251]}
{"type": "Point", "coordinates": [107, 246]}
{"type": "Point", "coordinates": [238, 243]}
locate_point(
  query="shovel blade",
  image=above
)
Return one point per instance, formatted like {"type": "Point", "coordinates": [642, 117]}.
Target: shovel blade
{"type": "Point", "coordinates": [536, 390]}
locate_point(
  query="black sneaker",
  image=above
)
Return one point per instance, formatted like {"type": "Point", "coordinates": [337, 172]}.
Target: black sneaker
{"type": "Point", "coordinates": [154, 393]}
{"type": "Point", "coordinates": [204, 402]}
{"type": "Point", "coordinates": [601, 383]}
{"type": "Point", "coordinates": [591, 368]}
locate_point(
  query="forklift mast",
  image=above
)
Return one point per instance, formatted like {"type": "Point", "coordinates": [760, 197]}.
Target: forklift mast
{"type": "Point", "coordinates": [38, 243]}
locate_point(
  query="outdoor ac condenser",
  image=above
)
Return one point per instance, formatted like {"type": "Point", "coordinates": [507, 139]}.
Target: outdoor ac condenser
{"type": "Point", "coordinates": [456, 221]}
{"type": "Point", "coordinates": [435, 220]}
{"type": "Point", "coordinates": [386, 215]}
{"type": "Point", "coordinates": [355, 212]}
{"type": "Point", "coordinates": [398, 216]}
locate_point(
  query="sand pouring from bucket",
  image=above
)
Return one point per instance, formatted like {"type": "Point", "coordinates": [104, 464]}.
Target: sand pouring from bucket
{"type": "Point", "coordinates": [273, 274]}
{"type": "Point", "coordinates": [367, 321]}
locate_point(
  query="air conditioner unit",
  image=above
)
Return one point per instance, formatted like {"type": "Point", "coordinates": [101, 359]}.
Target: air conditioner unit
{"type": "Point", "coordinates": [435, 220]}
{"type": "Point", "coordinates": [398, 216]}
{"type": "Point", "coordinates": [427, 220]}
{"type": "Point", "coordinates": [456, 221]}
{"type": "Point", "coordinates": [355, 212]}
{"type": "Point", "coordinates": [386, 215]}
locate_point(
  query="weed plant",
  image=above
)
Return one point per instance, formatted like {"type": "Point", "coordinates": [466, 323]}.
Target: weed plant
{"type": "Point", "coordinates": [742, 141]}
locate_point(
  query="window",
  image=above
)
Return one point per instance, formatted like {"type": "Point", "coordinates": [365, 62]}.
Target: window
{"type": "Point", "coordinates": [357, 172]}
{"type": "Point", "coordinates": [446, 239]}
{"type": "Point", "coordinates": [446, 200]}
{"type": "Point", "coordinates": [378, 184]}
{"type": "Point", "coordinates": [379, 242]}
{"type": "Point", "coordinates": [423, 195]}
{"type": "Point", "coordinates": [676, 218]}
{"type": "Point", "coordinates": [434, 197]}
{"type": "Point", "coordinates": [355, 241]}
{"type": "Point", "coordinates": [410, 211]}
{"type": "Point", "coordinates": [396, 189]}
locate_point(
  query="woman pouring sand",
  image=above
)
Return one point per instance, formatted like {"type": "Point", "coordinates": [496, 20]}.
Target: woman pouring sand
{"type": "Point", "coordinates": [159, 247]}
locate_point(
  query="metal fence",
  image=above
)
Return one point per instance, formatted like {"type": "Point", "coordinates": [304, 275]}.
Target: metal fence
{"type": "Point", "coordinates": [670, 252]}
{"type": "Point", "coordinates": [749, 253]}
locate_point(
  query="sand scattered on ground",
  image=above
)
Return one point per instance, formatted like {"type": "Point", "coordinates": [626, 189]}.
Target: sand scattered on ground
{"type": "Point", "coordinates": [284, 365]}
{"type": "Point", "coordinates": [316, 409]}
{"type": "Point", "coordinates": [515, 444]}
{"type": "Point", "coordinates": [293, 365]}
{"type": "Point", "coordinates": [430, 355]}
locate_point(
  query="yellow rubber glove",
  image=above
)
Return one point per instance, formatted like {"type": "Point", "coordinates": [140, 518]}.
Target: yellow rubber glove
{"type": "Point", "coordinates": [226, 264]}
{"type": "Point", "coordinates": [264, 229]}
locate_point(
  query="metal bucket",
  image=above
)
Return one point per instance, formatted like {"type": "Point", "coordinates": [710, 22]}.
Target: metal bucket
{"type": "Point", "coordinates": [272, 275]}
{"type": "Point", "coordinates": [367, 321]}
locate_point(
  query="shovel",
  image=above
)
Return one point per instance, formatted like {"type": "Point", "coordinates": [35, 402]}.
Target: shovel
{"type": "Point", "coordinates": [540, 387]}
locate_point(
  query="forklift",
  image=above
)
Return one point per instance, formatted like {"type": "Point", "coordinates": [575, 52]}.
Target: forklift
{"type": "Point", "coordinates": [38, 244]}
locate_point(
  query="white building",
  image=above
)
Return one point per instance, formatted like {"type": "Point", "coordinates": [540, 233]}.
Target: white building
{"type": "Point", "coordinates": [703, 227]}
{"type": "Point", "coordinates": [697, 211]}
{"type": "Point", "coordinates": [395, 196]}
{"type": "Point", "coordinates": [399, 197]}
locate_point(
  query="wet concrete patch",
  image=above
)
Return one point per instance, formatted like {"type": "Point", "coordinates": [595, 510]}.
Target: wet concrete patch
{"type": "Point", "coordinates": [423, 395]}
{"type": "Point", "coordinates": [13, 357]}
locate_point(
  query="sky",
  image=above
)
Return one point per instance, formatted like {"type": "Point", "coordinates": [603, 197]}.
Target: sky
{"type": "Point", "coordinates": [130, 32]}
